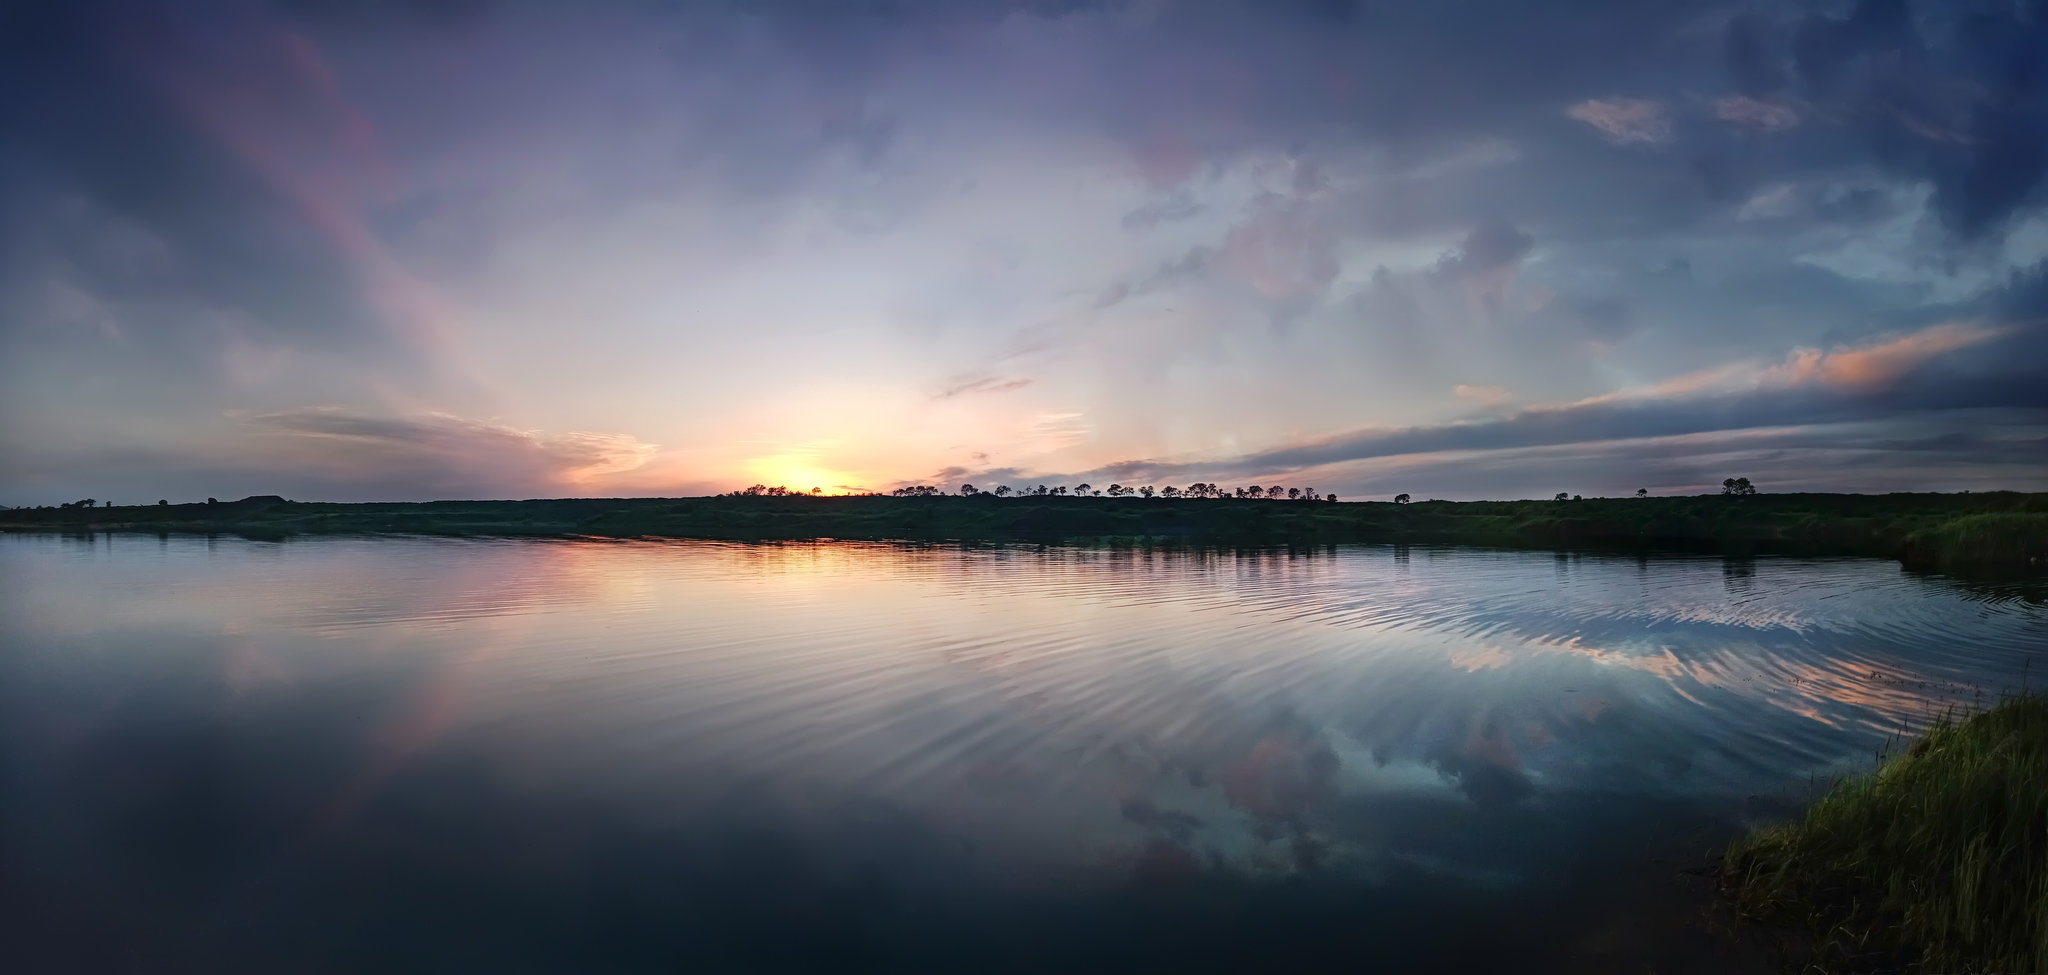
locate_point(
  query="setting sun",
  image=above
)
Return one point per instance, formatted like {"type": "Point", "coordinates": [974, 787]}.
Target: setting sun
{"type": "Point", "coordinates": [800, 472]}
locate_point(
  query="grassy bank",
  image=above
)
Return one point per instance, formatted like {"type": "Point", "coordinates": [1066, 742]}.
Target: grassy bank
{"type": "Point", "coordinates": [1937, 862]}
{"type": "Point", "coordinates": [1933, 528]}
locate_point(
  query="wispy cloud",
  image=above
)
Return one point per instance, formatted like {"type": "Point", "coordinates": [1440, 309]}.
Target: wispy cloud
{"type": "Point", "coordinates": [1752, 113]}
{"type": "Point", "coordinates": [1486, 396]}
{"type": "Point", "coordinates": [984, 384]}
{"type": "Point", "coordinates": [1625, 120]}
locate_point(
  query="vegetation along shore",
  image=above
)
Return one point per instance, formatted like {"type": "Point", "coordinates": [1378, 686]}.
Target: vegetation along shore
{"type": "Point", "coordinates": [1935, 862]}
{"type": "Point", "coordinates": [1990, 528]}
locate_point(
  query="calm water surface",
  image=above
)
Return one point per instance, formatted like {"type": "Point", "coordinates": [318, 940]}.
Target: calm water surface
{"type": "Point", "coordinates": [403, 754]}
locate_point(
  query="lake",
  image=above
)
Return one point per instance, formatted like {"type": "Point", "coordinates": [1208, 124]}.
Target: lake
{"type": "Point", "coordinates": [421, 754]}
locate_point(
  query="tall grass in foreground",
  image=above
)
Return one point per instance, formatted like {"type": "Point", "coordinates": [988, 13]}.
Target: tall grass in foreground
{"type": "Point", "coordinates": [1936, 862]}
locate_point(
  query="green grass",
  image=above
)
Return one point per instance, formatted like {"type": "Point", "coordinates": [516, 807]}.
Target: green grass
{"type": "Point", "coordinates": [1936, 862]}
{"type": "Point", "coordinates": [1936, 529]}
{"type": "Point", "coordinates": [2001, 536]}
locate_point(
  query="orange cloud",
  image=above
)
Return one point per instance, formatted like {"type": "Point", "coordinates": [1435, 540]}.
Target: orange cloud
{"type": "Point", "coordinates": [1852, 369]}
{"type": "Point", "coordinates": [1875, 366]}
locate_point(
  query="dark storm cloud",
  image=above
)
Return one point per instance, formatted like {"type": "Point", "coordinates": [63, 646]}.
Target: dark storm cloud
{"type": "Point", "coordinates": [1955, 94]}
{"type": "Point", "coordinates": [97, 141]}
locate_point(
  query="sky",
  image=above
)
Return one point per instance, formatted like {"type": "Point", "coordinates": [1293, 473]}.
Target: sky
{"type": "Point", "coordinates": [1457, 249]}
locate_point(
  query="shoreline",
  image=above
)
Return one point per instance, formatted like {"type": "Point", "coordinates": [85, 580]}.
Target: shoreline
{"type": "Point", "coordinates": [1933, 861]}
{"type": "Point", "coordinates": [1996, 529]}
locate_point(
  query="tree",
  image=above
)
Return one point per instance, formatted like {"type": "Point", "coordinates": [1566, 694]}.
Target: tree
{"type": "Point", "coordinates": [1400, 499]}
{"type": "Point", "coordinates": [967, 490]}
{"type": "Point", "coordinates": [1169, 492]}
{"type": "Point", "coordinates": [1642, 492]}
{"type": "Point", "coordinates": [163, 502]}
{"type": "Point", "coordinates": [1737, 486]}
{"type": "Point", "coordinates": [1561, 496]}
{"type": "Point", "coordinates": [1145, 491]}
{"type": "Point", "coordinates": [1059, 491]}
{"type": "Point", "coordinates": [1293, 493]}
{"type": "Point", "coordinates": [1002, 490]}
{"type": "Point", "coordinates": [1116, 490]}
{"type": "Point", "coordinates": [1084, 489]}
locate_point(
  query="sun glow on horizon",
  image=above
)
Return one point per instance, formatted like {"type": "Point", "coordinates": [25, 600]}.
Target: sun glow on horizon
{"type": "Point", "coordinates": [801, 472]}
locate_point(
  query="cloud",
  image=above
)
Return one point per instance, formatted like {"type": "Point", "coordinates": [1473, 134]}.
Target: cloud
{"type": "Point", "coordinates": [1970, 450]}
{"type": "Point", "coordinates": [1494, 244]}
{"type": "Point", "coordinates": [1753, 60]}
{"type": "Point", "coordinates": [1625, 120]}
{"type": "Point", "coordinates": [1485, 396]}
{"type": "Point", "coordinates": [1861, 368]}
{"type": "Point", "coordinates": [256, 206]}
{"type": "Point", "coordinates": [1284, 252]}
{"type": "Point", "coordinates": [1945, 94]}
{"type": "Point", "coordinates": [1760, 115]}
{"type": "Point", "coordinates": [1781, 200]}
{"type": "Point", "coordinates": [1892, 377]}
{"type": "Point", "coordinates": [1487, 261]}
{"type": "Point", "coordinates": [1175, 206]}
{"type": "Point", "coordinates": [985, 384]}
{"type": "Point", "coordinates": [1873, 367]}
{"type": "Point", "coordinates": [1808, 386]}
{"type": "Point", "coordinates": [453, 449]}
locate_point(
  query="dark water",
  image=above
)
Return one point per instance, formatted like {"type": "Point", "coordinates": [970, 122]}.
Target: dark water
{"type": "Point", "coordinates": [398, 755]}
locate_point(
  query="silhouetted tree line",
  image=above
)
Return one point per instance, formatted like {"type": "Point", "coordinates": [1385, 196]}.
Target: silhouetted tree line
{"type": "Point", "coordinates": [764, 491]}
